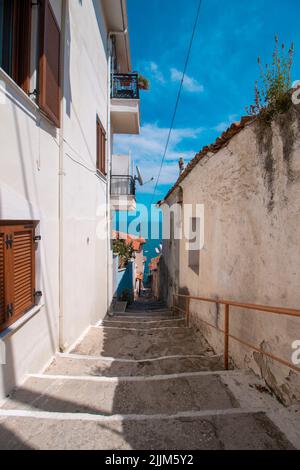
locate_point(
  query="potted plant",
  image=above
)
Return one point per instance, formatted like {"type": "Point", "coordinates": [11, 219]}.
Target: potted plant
{"type": "Point", "coordinates": [124, 250]}
{"type": "Point", "coordinates": [143, 83]}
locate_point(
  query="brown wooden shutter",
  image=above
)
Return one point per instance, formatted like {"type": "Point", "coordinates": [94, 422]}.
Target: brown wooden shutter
{"type": "Point", "coordinates": [98, 151]}
{"type": "Point", "coordinates": [49, 87]}
{"type": "Point", "coordinates": [23, 270]}
{"type": "Point", "coordinates": [22, 43]}
{"type": "Point", "coordinates": [17, 271]}
{"type": "Point", "coordinates": [2, 286]}
{"type": "Point", "coordinates": [101, 148]}
{"type": "Point", "coordinates": [103, 152]}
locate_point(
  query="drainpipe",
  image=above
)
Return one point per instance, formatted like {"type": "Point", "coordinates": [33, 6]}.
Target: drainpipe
{"type": "Point", "coordinates": [109, 144]}
{"type": "Point", "coordinates": [61, 340]}
{"type": "Point", "coordinates": [109, 153]}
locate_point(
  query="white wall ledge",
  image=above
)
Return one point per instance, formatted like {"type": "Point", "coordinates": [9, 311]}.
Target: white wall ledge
{"type": "Point", "coordinates": [20, 97]}
{"type": "Point", "coordinates": [101, 177]}
{"type": "Point", "coordinates": [21, 322]}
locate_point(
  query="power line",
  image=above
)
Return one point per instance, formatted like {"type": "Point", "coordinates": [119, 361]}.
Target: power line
{"type": "Point", "coordinates": [178, 97]}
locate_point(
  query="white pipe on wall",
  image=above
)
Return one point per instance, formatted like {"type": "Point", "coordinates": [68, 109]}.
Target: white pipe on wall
{"type": "Point", "coordinates": [61, 340]}
{"type": "Point", "coordinates": [109, 154]}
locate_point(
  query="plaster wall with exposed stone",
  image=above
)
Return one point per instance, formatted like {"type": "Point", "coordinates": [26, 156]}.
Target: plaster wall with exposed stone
{"type": "Point", "coordinates": [249, 183]}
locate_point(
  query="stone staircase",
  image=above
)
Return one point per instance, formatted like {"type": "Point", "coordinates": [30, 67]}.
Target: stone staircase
{"type": "Point", "coordinates": [142, 380]}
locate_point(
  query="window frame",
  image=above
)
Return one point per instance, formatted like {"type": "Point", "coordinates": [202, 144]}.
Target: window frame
{"type": "Point", "coordinates": [101, 148]}
{"type": "Point", "coordinates": [8, 228]}
{"type": "Point", "coordinates": [29, 71]}
{"type": "Point", "coordinates": [20, 43]}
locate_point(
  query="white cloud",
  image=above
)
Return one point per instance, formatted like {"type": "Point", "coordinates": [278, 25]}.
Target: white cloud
{"type": "Point", "coordinates": [190, 83]}
{"type": "Point", "coordinates": [156, 73]}
{"type": "Point", "coordinates": [224, 125]}
{"type": "Point", "coordinates": [148, 148]}
{"type": "Point", "coordinates": [221, 127]}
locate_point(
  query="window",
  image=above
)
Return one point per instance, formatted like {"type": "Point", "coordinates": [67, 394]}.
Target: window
{"type": "Point", "coordinates": [15, 51]}
{"type": "Point", "coordinates": [194, 242]}
{"type": "Point", "coordinates": [15, 32]}
{"type": "Point", "coordinates": [101, 147]}
{"type": "Point", "coordinates": [17, 271]}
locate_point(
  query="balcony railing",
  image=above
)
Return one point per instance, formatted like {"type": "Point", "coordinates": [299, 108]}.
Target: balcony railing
{"type": "Point", "coordinates": [122, 186]}
{"type": "Point", "coordinates": [125, 86]}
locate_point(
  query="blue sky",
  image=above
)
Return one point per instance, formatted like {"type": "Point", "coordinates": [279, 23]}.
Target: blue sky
{"type": "Point", "coordinates": [220, 76]}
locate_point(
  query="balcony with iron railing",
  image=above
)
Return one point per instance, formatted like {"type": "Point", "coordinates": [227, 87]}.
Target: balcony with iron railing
{"type": "Point", "coordinates": [122, 193]}
{"type": "Point", "coordinates": [125, 103]}
{"type": "Point", "coordinates": [125, 86]}
{"type": "Point", "coordinates": [122, 186]}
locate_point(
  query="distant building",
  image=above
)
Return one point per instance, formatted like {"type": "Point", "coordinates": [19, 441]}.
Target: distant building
{"type": "Point", "coordinates": [154, 276]}
{"type": "Point", "coordinates": [129, 278]}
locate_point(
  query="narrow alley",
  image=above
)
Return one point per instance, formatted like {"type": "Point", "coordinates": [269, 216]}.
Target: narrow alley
{"type": "Point", "coordinates": [143, 380]}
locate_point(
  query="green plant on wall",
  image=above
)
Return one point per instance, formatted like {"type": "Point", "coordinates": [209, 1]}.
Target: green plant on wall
{"type": "Point", "coordinates": [144, 83]}
{"type": "Point", "coordinates": [272, 92]}
{"type": "Point", "coordinates": [124, 250]}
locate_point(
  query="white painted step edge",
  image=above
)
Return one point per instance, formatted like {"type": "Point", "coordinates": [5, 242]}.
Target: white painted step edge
{"type": "Point", "coordinates": [47, 415]}
{"type": "Point", "coordinates": [147, 317]}
{"type": "Point", "coordinates": [103, 327]}
{"type": "Point", "coordinates": [83, 357]}
{"type": "Point", "coordinates": [153, 378]}
{"type": "Point", "coordinates": [141, 322]}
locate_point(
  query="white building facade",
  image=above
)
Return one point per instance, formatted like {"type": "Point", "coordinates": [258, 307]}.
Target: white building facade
{"type": "Point", "coordinates": [66, 88]}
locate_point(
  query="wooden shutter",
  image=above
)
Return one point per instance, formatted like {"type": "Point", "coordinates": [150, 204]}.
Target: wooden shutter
{"type": "Point", "coordinates": [49, 80]}
{"type": "Point", "coordinates": [103, 152]}
{"type": "Point", "coordinates": [17, 272]}
{"type": "Point", "coordinates": [98, 151]}
{"type": "Point", "coordinates": [22, 43]}
{"type": "Point", "coordinates": [101, 148]}
{"type": "Point", "coordinates": [16, 41]}
{"type": "Point", "coordinates": [2, 286]}
{"type": "Point", "coordinates": [23, 270]}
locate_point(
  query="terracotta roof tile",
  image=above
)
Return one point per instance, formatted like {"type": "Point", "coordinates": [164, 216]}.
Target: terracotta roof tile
{"type": "Point", "coordinates": [137, 242]}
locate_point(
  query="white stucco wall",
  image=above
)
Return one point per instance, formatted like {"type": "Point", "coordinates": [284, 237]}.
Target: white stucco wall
{"type": "Point", "coordinates": [30, 149]}
{"type": "Point", "coordinates": [85, 257]}
{"type": "Point", "coordinates": [29, 165]}
{"type": "Point", "coordinates": [121, 165]}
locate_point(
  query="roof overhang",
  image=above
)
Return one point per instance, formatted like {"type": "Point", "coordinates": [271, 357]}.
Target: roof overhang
{"type": "Point", "coordinates": [115, 12]}
{"type": "Point", "coordinates": [177, 196]}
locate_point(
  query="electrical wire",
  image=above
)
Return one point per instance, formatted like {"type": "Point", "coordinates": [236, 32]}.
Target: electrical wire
{"type": "Point", "coordinates": [178, 97]}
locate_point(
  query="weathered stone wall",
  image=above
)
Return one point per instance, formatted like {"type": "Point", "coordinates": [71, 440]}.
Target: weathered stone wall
{"type": "Point", "coordinates": [251, 193]}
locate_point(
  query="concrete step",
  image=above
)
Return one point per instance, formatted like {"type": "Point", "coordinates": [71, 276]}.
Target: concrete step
{"type": "Point", "coordinates": [227, 430]}
{"type": "Point", "coordinates": [143, 318]}
{"type": "Point", "coordinates": [74, 365]}
{"type": "Point", "coordinates": [147, 306]}
{"type": "Point", "coordinates": [143, 344]}
{"type": "Point", "coordinates": [148, 313]}
{"type": "Point", "coordinates": [143, 324]}
{"type": "Point", "coordinates": [128, 396]}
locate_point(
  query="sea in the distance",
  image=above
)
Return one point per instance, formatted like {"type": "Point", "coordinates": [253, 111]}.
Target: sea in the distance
{"type": "Point", "coordinates": [151, 232]}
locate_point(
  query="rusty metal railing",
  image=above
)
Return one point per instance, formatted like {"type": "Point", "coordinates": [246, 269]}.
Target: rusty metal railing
{"type": "Point", "coordinates": [226, 330]}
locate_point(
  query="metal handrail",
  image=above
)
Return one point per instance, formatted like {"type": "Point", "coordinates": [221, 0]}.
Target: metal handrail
{"type": "Point", "coordinates": [122, 185]}
{"type": "Point", "coordinates": [226, 332]}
